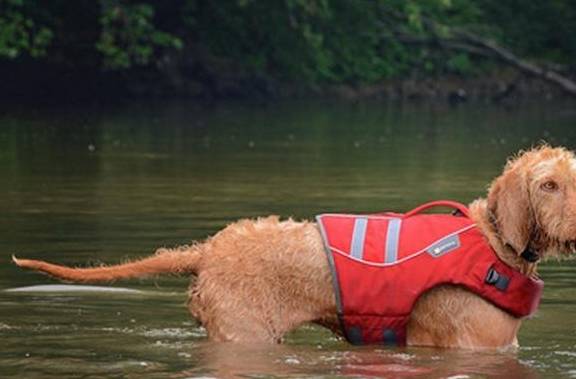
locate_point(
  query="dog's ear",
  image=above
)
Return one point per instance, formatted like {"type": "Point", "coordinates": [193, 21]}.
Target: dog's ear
{"type": "Point", "coordinates": [509, 202]}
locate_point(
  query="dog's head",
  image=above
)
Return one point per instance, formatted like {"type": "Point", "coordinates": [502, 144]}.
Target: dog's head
{"type": "Point", "coordinates": [533, 202]}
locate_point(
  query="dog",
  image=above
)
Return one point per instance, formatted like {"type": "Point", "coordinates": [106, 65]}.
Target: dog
{"type": "Point", "coordinates": [256, 280]}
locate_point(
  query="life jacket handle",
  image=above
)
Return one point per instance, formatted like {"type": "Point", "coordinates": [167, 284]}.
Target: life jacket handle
{"type": "Point", "coordinates": [439, 203]}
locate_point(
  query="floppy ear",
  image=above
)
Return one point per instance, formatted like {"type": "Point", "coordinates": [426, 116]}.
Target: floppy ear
{"type": "Point", "coordinates": [509, 201]}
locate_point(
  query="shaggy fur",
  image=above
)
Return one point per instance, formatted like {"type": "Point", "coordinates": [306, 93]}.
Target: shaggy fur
{"type": "Point", "coordinates": [258, 279]}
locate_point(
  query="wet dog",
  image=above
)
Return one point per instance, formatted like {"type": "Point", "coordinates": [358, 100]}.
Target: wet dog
{"type": "Point", "coordinates": [258, 279]}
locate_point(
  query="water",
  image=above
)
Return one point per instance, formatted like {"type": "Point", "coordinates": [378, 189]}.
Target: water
{"type": "Point", "coordinates": [107, 184]}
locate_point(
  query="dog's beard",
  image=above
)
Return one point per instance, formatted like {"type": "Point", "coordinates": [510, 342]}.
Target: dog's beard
{"type": "Point", "coordinates": [552, 247]}
{"type": "Point", "coordinates": [568, 248]}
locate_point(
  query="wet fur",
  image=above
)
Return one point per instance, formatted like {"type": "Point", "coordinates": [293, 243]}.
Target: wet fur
{"type": "Point", "coordinates": [258, 279]}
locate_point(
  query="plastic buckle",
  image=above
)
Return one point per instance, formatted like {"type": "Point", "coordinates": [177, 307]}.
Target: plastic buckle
{"type": "Point", "coordinates": [496, 279]}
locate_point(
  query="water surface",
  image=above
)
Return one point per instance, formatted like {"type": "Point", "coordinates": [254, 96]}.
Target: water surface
{"type": "Point", "coordinates": [92, 185]}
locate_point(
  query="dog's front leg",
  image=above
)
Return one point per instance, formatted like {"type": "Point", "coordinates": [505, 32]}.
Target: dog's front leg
{"type": "Point", "coordinates": [453, 317]}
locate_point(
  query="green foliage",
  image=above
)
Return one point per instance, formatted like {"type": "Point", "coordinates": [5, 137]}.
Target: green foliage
{"type": "Point", "coordinates": [19, 33]}
{"type": "Point", "coordinates": [129, 36]}
{"type": "Point", "coordinates": [540, 29]}
{"type": "Point", "coordinates": [459, 63]}
{"type": "Point", "coordinates": [313, 42]}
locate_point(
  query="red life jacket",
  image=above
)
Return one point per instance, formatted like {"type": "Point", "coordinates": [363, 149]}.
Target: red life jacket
{"type": "Point", "coordinates": [382, 263]}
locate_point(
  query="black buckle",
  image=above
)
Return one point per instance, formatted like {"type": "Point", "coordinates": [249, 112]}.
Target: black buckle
{"type": "Point", "coordinates": [457, 213]}
{"type": "Point", "coordinates": [497, 279]}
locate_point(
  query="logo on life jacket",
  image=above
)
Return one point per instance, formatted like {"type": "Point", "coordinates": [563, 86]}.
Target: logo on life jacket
{"type": "Point", "coordinates": [444, 246]}
{"type": "Point", "coordinates": [382, 263]}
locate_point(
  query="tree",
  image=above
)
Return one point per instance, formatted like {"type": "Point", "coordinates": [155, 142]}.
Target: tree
{"type": "Point", "coordinates": [309, 42]}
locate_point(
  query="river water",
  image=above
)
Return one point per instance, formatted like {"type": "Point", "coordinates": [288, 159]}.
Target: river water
{"type": "Point", "coordinates": [106, 184]}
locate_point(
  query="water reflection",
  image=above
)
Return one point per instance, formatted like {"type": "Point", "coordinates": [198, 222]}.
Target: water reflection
{"type": "Point", "coordinates": [225, 360]}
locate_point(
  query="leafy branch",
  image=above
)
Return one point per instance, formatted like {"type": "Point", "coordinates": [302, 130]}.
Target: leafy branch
{"type": "Point", "coordinates": [453, 38]}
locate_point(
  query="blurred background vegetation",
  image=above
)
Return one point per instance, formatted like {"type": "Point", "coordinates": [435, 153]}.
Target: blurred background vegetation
{"type": "Point", "coordinates": [243, 48]}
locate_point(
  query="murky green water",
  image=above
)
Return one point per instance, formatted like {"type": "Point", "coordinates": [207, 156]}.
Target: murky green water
{"type": "Point", "coordinates": [107, 184]}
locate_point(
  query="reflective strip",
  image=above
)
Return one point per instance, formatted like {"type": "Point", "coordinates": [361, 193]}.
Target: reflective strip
{"type": "Point", "coordinates": [392, 238]}
{"type": "Point", "coordinates": [358, 235]}
{"type": "Point", "coordinates": [332, 264]}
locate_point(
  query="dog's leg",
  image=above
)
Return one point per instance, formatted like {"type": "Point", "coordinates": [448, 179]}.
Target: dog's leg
{"type": "Point", "coordinates": [229, 317]}
{"type": "Point", "coordinates": [259, 279]}
{"type": "Point", "coordinates": [449, 316]}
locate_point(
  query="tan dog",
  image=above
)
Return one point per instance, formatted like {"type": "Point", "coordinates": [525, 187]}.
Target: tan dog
{"type": "Point", "coordinates": [258, 279]}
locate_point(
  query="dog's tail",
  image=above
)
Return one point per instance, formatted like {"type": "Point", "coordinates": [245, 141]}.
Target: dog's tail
{"type": "Point", "coordinates": [165, 261]}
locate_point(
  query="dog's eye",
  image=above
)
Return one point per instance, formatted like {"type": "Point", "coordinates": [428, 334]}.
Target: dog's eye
{"type": "Point", "coordinates": [550, 186]}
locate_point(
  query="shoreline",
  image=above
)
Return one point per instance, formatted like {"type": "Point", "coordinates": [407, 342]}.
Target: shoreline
{"type": "Point", "coordinates": [80, 88]}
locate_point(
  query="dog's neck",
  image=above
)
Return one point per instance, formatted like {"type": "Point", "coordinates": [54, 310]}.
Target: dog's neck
{"type": "Point", "coordinates": [525, 262]}
{"type": "Point", "coordinates": [529, 254]}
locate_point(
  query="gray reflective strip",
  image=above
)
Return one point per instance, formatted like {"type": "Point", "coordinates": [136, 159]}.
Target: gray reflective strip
{"type": "Point", "coordinates": [332, 265]}
{"type": "Point", "coordinates": [358, 235]}
{"type": "Point", "coordinates": [392, 238]}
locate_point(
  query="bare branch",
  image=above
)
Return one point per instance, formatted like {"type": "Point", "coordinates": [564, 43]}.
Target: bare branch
{"type": "Point", "coordinates": [461, 40]}
{"type": "Point", "coordinates": [529, 68]}
{"type": "Point", "coordinates": [449, 44]}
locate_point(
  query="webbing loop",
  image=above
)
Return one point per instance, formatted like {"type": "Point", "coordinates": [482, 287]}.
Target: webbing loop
{"type": "Point", "coordinates": [439, 203]}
